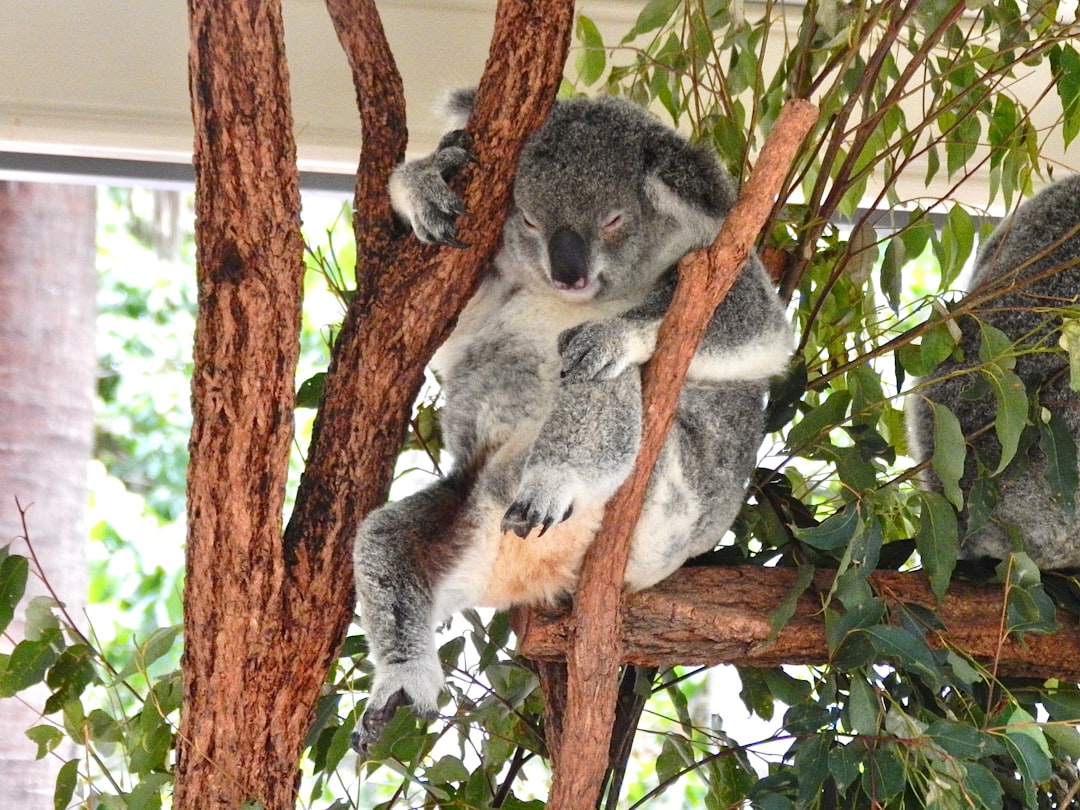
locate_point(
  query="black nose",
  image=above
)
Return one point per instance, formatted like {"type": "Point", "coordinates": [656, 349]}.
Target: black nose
{"type": "Point", "coordinates": [569, 260]}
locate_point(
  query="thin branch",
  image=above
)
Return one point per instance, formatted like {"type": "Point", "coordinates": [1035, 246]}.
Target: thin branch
{"type": "Point", "coordinates": [704, 279]}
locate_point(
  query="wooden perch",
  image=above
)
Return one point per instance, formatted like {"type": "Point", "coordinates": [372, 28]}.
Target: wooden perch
{"type": "Point", "coordinates": [593, 650]}
{"type": "Point", "coordinates": [709, 616]}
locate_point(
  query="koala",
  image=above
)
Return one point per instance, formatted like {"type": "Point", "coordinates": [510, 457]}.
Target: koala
{"type": "Point", "coordinates": [542, 384]}
{"type": "Point", "coordinates": [1029, 272]}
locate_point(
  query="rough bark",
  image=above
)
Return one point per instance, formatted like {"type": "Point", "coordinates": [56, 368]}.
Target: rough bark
{"type": "Point", "coordinates": [242, 725]}
{"type": "Point", "coordinates": [48, 309]}
{"type": "Point", "coordinates": [709, 616]}
{"type": "Point", "coordinates": [266, 610]}
{"type": "Point", "coordinates": [593, 653]}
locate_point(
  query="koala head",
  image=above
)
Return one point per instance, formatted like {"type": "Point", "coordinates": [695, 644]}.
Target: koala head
{"type": "Point", "coordinates": [606, 198]}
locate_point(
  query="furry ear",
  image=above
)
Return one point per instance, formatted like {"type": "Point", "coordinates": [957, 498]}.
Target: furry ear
{"type": "Point", "coordinates": [455, 107]}
{"type": "Point", "coordinates": [690, 171]}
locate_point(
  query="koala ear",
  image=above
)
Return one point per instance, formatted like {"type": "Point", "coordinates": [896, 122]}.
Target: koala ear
{"type": "Point", "coordinates": [689, 171]}
{"type": "Point", "coordinates": [455, 107]}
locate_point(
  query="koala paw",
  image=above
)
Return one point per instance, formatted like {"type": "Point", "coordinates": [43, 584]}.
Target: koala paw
{"type": "Point", "coordinates": [596, 350]}
{"type": "Point", "coordinates": [420, 194]}
{"type": "Point", "coordinates": [542, 502]}
{"type": "Point", "coordinates": [413, 684]}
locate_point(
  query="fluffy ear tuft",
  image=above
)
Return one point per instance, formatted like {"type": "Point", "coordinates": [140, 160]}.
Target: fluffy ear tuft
{"type": "Point", "coordinates": [692, 172]}
{"type": "Point", "coordinates": [455, 107]}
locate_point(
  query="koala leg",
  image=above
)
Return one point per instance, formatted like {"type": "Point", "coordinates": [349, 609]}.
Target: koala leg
{"type": "Point", "coordinates": [584, 451]}
{"type": "Point", "coordinates": [699, 483]}
{"type": "Point", "coordinates": [401, 551]}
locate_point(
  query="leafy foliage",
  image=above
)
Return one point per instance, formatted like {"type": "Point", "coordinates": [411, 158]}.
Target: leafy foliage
{"type": "Point", "coordinates": [918, 101]}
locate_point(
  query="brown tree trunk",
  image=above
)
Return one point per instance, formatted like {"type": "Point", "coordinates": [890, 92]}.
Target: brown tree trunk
{"type": "Point", "coordinates": [265, 613]}
{"type": "Point", "coordinates": [48, 311]}
{"type": "Point", "coordinates": [242, 724]}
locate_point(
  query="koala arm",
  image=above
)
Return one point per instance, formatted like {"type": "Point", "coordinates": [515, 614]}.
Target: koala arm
{"type": "Point", "coordinates": [420, 193]}
{"type": "Point", "coordinates": [748, 337]}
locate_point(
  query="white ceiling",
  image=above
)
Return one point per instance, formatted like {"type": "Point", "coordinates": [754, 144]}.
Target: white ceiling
{"type": "Point", "coordinates": [108, 78]}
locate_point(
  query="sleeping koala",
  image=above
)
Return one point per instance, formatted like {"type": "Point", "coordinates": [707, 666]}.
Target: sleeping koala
{"type": "Point", "coordinates": [542, 386]}
{"type": "Point", "coordinates": [1029, 269]}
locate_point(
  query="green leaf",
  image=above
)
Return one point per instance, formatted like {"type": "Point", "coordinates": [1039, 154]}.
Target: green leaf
{"type": "Point", "coordinates": [995, 347]}
{"type": "Point", "coordinates": [981, 787]}
{"type": "Point", "coordinates": [13, 572]}
{"type": "Point", "coordinates": [835, 533]}
{"type": "Point", "coordinates": [654, 15]}
{"type": "Point", "coordinates": [950, 450]}
{"type": "Point", "coordinates": [905, 649]}
{"type": "Point", "coordinates": [40, 617]}
{"type": "Point", "coordinates": [812, 767]}
{"type": "Point", "coordinates": [938, 540]}
{"type": "Point", "coordinates": [1012, 409]}
{"type": "Point", "coordinates": [29, 662]}
{"type": "Point", "coordinates": [47, 738]}
{"type": "Point", "coordinates": [958, 238]}
{"type": "Point", "coordinates": [310, 392]}
{"type": "Point", "coordinates": [820, 420]}
{"type": "Point", "coordinates": [963, 741]}
{"type": "Point", "coordinates": [1065, 63]}
{"type": "Point", "coordinates": [147, 794]}
{"type": "Point", "coordinates": [1032, 762]}
{"type": "Point", "coordinates": [66, 780]}
{"type": "Point", "coordinates": [783, 612]}
{"type": "Point", "coordinates": [843, 765]}
{"type": "Point", "coordinates": [69, 676]}
{"type": "Point", "coordinates": [671, 759]}
{"type": "Point", "coordinates": [102, 727]}
{"type": "Point", "coordinates": [863, 708]}
{"type": "Point", "coordinates": [446, 770]}
{"type": "Point", "coordinates": [1070, 342]}
{"type": "Point", "coordinates": [1061, 471]}
{"type": "Point", "coordinates": [891, 272]}
{"type": "Point", "coordinates": [884, 774]}
{"type": "Point", "coordinates": [1062, 704]}
{"type": "Point", "coordinates": [591, 58]}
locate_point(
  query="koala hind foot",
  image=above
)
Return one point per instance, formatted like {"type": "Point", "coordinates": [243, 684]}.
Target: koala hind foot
{"type": "Point", "coordinates": [411, 684]}
{"type": "Point", "coordinates": [543, 501]}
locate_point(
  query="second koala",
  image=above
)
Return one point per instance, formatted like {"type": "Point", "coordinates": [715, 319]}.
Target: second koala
{"type": "Point", "coordinates": [542, 386]}
{"type": "Point", "coordinates": [1027, 274]}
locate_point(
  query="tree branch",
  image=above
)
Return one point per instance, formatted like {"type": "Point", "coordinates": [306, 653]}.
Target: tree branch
{"type": "Point", "coordinates": [719, 615]}
{"type": "Point", "coordinates": [594, 648]}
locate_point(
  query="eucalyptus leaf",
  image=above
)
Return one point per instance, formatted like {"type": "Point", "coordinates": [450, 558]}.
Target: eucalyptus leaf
{"type": "Point", "coordinates": [937, 541]}
{"type": "Point", "coordinates": [1011, 412]}
{"type": "Point", "coordinates": [1061, 467]}
{"type": "Point", "coordinates": [950, 450]}
{"type": "Point", "coordinates": [13, 573]}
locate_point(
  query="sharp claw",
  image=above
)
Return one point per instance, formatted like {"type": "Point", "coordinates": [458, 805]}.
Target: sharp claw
{"type": "Point", "coordinates": [453, 241]}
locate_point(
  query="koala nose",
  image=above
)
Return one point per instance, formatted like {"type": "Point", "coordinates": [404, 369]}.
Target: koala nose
{"type": "Point", "coordinates": [569, 259]}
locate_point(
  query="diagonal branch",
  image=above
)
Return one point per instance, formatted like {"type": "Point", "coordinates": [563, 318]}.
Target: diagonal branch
{"type": "Point", "coordinates": [594, 651]}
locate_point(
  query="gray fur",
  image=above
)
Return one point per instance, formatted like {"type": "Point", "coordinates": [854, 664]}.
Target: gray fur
{"type": "Point", "coordinates": [542, 380]}
{"type": "Point", "coordinates": [1032, 265]}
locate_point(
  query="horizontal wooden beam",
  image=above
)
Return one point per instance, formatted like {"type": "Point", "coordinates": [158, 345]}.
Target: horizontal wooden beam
{"type": "Point", "coordinates": [719, 615]}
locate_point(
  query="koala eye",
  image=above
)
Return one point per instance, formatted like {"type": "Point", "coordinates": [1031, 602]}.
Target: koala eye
{"type": "Point", "coordinates": [613, 224]}
{"type": "Point", "coordinates": [532, 226]}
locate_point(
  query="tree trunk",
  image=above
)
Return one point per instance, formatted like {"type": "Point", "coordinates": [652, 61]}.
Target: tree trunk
{"type": "Point", "coordinates": [48, 310]}
{"type": "Point", "coordinates": [241, 727]}
{"type": "Point", "coordinates": [264, 614]}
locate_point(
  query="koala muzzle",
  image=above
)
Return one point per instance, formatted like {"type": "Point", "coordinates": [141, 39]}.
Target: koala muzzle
{"type": "Point", "coordinates": [569, 260]}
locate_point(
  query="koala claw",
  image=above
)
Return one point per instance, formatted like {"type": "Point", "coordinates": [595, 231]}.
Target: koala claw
{"type": "Point", "coordinates": [374, 721]}
{"type": "Point", "coordinates": [521, 518]}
